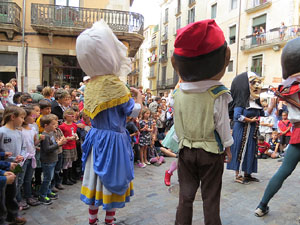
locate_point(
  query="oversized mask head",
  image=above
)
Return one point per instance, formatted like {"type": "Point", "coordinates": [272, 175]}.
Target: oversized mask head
{"type": "Point", "coordinates": [255, 84]}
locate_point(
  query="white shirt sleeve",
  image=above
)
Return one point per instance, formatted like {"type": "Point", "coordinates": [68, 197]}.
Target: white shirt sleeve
{"type": "Point", "coordinates": [136, 110]}
{"type": "Point", "coordinates": [221, 118]}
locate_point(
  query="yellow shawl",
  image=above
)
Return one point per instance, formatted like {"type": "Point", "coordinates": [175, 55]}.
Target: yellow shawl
{"type": "Point", "coordinates": [104, 92]}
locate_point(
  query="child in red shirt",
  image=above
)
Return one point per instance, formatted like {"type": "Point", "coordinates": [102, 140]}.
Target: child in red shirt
{"type": "Point", "coordinates": [285, 126]}
{"type": "Point", "coordinates": [69, 129]}
{"type": "Point", "coordinates": [263, 148]}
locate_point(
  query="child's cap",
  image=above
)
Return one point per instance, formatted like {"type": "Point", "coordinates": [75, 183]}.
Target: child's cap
{"type": "Point", "coordinates": [198, 38]}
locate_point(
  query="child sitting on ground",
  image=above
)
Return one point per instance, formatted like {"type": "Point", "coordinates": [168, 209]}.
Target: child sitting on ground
{"type": "Point", "coordinates": [263, 148]}
{"type": "Point", "coordinates": [274, 145]}
{"type": "Point", "coordinates": [154, 153]}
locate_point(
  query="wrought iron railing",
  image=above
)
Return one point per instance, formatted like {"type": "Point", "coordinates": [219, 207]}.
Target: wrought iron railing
{"type": "Point", "coordinates": [168, 83]}
{"type": "Point", "coordinates": [81, 18]}
{"type": "Point", "coordinates": [273, 37]}
{"type": "Point", "coordinates": [10, 13]}
{"type": "Point", "coordinates": [256, 3]}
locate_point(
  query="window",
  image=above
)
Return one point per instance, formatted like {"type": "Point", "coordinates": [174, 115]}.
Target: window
{"type": "Point", "coordinates": [164, 51]}
{"type": "Point", "coordinates": [232, 33]}
{"type": "Point", "coordinates": [178, 23]}
{"type": "Point", "coordinates": [151, 86]}
{"type": "Point", "coordinates": [166, 15]}
{"type": "Point", "coordinates": [191, 2]}
{"type": "Point", "coordinates": [191, 15]}
{"type": "Point", "coordinates": [257, 64]}
{"type": "Point", "coordinates": [233, 4]}
{"type": "Point", "coordinates": [230, 66]}
{"type": "Point", "coordinates": [163, 75]}
{"type": "Point", "coordinates": [214, 11]}
{"type": "Point", "coordinates": [74, 3]}
{"type": "Point", "coordinates": [178, 10]}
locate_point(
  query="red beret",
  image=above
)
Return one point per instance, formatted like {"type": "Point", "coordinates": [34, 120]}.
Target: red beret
{"type": "Point", "coordinates": [198, 38]}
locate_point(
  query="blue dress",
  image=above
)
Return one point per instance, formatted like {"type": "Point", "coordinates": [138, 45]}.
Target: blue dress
{"type": "Point", "coordinates": [108, 159]}
{"type": "Point", "coordinates": [250, 158]}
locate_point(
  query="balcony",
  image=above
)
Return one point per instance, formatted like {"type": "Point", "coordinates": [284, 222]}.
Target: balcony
{"type": "Point", "coordinates": [164, 58]}
{"type": "Point", "coordinates": [255, 5]}
{"type": "Point", "coordinates": [273, 39]}
{"type": "Point", "coordinates": [153, 45]}
{"type": "Point", "coordinates": [10, 18]}
{"type": "Point", "coordinates": [167, 84]}
{"type": "Point", "coordinates": [164, 37]}
{"type": "Point", "coordinates": [152, 60]}
{"type": "Point", "coordinates": [71, 21]}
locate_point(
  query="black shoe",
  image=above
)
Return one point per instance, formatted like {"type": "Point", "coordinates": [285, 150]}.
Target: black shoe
{"type": "Point", "coordinates": [72, 180]}
{"type": "Point", "coordinates": [67, 182]}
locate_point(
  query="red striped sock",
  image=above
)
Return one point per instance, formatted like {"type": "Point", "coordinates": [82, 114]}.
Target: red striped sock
{"type": "Point", "coordinates": [109, 217]}
{"type": "Point", "coordinates": [93, 213]}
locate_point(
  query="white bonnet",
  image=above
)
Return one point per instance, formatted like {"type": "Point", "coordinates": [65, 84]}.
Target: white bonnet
{"type": "Point", "coordinates": [99, 52]}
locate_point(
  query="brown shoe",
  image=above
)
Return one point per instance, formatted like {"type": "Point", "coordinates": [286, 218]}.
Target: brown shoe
{"type": "Point", "coordinates": [18, 221]}
{"type": "Point", "coordinates": [54, 189]}
{"type": "Point", "coordinates": [60, 187]}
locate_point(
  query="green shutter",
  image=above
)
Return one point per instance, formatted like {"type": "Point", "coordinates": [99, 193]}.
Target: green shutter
{"type": "Point", "coordinates": [259, 20]}
{"type": "Point", "coordinates": [232, 31]}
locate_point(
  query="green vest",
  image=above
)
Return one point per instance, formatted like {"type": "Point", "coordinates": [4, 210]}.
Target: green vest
{"type": "Point", "coordinates": [194, 119]}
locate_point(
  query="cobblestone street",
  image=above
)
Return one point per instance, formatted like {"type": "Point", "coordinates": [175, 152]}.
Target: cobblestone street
{"type": "Point", "coordinates": [155, 204]}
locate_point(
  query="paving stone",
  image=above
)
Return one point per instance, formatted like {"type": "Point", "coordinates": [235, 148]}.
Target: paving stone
{"type": "Point", "coordinates": [155, 204]}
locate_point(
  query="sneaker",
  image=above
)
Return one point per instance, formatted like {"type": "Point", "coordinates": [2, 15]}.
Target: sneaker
{"type": "Point", "coordinates": [168, 178]}
{"type": "Point", "coordinates": [148, 163]}
{"type": "Point", "coordinates": [141, 165]}
{"type": "Point", "coordinates": [32, 202]}
{"type": "Point", "coordinates": [259, 212]}
{"type": "Point", "coordinates": [45, 200]}
{"type": "Point", "coordinates": [23, 205]}
{"type": "Point", "coordinates": [52, 196]}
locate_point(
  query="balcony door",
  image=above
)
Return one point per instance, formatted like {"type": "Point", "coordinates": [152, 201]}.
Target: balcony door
{"type": "Point", "coordinates": [258, 22]}
{"type": "Point", "coordinates": [73, 3]}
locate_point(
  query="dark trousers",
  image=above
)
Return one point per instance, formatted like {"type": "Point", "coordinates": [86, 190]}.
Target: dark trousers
{"type": "Point", "coordinates": [195, 167]}
{"type": "Point", "coordinates": [58, 167]}
{"type": "Point", "coordinates": [8, 204]}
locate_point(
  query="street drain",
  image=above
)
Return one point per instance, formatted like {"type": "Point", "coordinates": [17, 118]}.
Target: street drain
{"type": "Point", "coordinates": [174, 190]}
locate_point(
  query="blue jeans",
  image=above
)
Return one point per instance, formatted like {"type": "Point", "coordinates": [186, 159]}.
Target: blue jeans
{"type": "Point", "coordinates": [25, 179]}
{"type": "Point", "coordinates": [48, 173]}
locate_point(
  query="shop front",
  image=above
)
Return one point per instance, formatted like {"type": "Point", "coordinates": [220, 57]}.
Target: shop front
{"type": "Point", "coordinates": [61, 69]}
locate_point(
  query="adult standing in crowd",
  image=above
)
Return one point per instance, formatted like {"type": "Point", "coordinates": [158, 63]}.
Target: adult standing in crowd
{"type": "Point", "coordinates": [61, 103]}
{"type": "Point", "coordinates": [37, 96]}
{"type": "Point", "coordinates": [153, 106]}
{"type": "Point", "coordinates": [86, 79]}
{"type": "Point", "coordinates": [13, 81]}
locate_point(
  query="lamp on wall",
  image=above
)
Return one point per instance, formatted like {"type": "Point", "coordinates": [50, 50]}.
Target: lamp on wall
{"type": "Point", "coordinates": [276, 48]}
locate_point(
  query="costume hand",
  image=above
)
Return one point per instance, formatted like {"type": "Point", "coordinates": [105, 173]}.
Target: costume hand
{"type": "Point", "coordinates": [10, 178]}
{"type": "Point", "coordinates": [13, 166]}
{"type": "Point", "coordinates": [228, 155]}
{"type": "Point", "coordinates": [19, 158]}
{"type": "Point", "coordinates": [135, 91]}
{"type": "Point", "coordinates": [7, 154]}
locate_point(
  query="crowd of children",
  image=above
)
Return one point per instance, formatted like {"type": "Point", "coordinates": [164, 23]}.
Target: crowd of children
{"type": "Point", "coordinates": [40, 148]}
{"type": "Point", "coordinates": [149, 130]}
{"type": "Point", "coordinates": [275, 132]}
